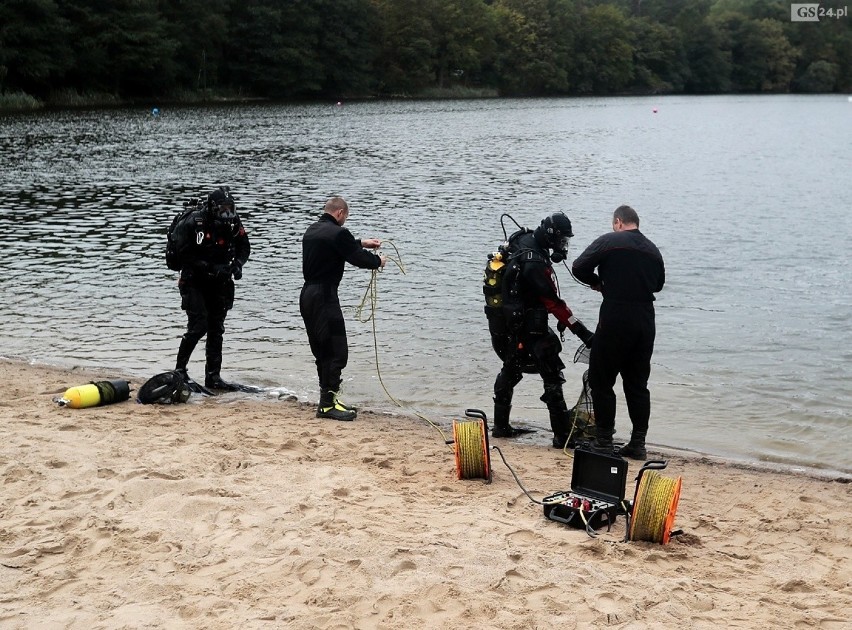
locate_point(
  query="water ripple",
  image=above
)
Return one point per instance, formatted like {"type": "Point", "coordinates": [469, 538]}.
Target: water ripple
{"type": "Point", "coordinates": [753, 351]}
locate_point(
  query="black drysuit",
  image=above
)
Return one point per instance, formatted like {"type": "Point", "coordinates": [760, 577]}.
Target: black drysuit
{"type": "Point", "coordinates": [531, 345]}
{"type": "Point", "coordinates": [630, 270]}
{"type": "Point", "coordinates": [210, 252]}
{"type": "Point", "coordinates": [326, 247]}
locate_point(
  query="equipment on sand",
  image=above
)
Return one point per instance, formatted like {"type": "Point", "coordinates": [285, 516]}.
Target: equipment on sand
{"type": "Point", "coordinates": [164, 389]}
{"type": "Point", "coordinates": [596, 498]}
{"type": "Point", "coordinates": [654, 505]}
{"type": "Point", "coordinates": [95, 394]}
{"type": "Point", "coordinates": [470, 438]}
{"type": "Point", "coordinates": [176, 387]}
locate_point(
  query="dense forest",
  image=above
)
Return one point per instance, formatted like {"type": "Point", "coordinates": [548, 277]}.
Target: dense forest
{"type": "Point", "coordinates": [57, 51]}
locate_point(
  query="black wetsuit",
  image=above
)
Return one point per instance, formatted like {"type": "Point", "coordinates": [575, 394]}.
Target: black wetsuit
{"type": "Point", "coordinates": [630, 270]}
{"type": "Point", "coordinates": [208, 251]}
{"type": "Point", "coordinates": [326, 247]}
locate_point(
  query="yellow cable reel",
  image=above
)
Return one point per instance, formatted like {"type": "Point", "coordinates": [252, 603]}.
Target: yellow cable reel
{"type": "Point", "coordinates": [470, 437]}
{"type": "Point", "coordinates": [654, 507]}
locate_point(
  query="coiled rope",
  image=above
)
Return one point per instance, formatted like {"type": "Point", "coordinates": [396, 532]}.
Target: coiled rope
{"type": "Point", "coordinates": [654, 508]}
{"type": "Point", "coordinates": [371, 297]}
{"type": "Point", "coordinates": [472, 461]}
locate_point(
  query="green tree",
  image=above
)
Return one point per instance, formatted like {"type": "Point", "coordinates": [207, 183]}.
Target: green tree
{"type": "Point", "coordinates": [462, 38]}
{"type": "Point", "coordinates": [708, 55]}
{"type": "Point", "coordinates": [406, 47]}
{"type": "Point", "coordinates": [433, 43]}
{"type": "Point", "coordinates": [762, 59]}
{"type": "Point", "coordinates": [829, 41]}
{"type": "Point", "coordinates": [347, 46]}
{"type": "Point", "coordinates": [34, 50]}
{"type": "Point", "coordinates": [659, 57]}
{"type": "Point", "coordinates": [820, 76]}
{"type": "Point", "coordinates": [272, 50]}
{"type": "Point", "coordinates": [200, 31]}
{"type": "Point", "coordinates": [535, 42]}
{"type": "Point", "coordinates": [603, 51]}
{"type": "Point", "coordinates": [672, 12]}
{"type": "Point", "coordinates": [120, 46]}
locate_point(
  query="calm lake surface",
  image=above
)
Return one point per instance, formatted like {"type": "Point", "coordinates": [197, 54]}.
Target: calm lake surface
{"type": "Point", "coordinates": [747, 197]}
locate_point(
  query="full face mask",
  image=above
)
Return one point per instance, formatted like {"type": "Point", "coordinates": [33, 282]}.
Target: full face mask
{"type": "Point", "coordinates": [560, 251]}
{"type": "Point", "coordinates": [557, 229]}
{"type": "Point", "coordinates": [222, 208]}
{"type": "Point", "coordinates": [224, 213]}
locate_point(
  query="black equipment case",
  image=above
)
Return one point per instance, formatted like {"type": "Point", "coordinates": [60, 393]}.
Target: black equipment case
{"type": "Point", "coordinates": [596, 497]}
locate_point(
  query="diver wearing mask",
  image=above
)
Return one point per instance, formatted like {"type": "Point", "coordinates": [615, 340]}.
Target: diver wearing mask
{"type": "Point", "coordinates": [214, 247]}
{"type": "Point", "coordinates": [530, 294]}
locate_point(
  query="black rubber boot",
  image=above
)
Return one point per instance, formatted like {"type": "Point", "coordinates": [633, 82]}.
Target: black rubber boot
{"type": "Point", "coordinates": [559, 423]}
{"type": "Point", "coordinates": [502, 428]}
{"type": "Point", "coordinates": [212, 368]}
{"type": "Point", "coordinates": [603, 442]}
{"type": "Point", "coordinates": [635, 448]}
{"type": "Point", "coordinates": [214, 381]}
{"type": "Point", "coordinates": [184, 352]}
{"type": "Point", "coordinates": [329, 407]}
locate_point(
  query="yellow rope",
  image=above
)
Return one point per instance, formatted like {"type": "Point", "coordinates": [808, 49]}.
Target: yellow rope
{"type": "Point", "coordinates": [656, 502]}
{"type": "Point", "coordinates": [371, 295]}
{"type": "Point", "coordinates": [470, 449]}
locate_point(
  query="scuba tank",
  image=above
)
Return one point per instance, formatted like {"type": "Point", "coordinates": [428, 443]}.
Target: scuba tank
{"type": "Point", "coordinates": [95, 394]}
{"type": "Point", "coordinates": [498, 283]}
{"type": "Point", "coordinates": [492, 284]}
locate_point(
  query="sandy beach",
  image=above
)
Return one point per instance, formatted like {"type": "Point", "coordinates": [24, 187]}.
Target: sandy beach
{"type": "Point", "coordinates": [247, 511]}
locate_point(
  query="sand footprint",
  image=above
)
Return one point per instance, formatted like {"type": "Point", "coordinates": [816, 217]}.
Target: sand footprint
{"type": "Point", "coordinates": [549, 597]}
{"type": "Point", "coordinates": [310, 572]}
{"type": "Point", "coordinates": [612, 607]}
{"type": "Point", "coordinates": [522, 536]}
{"type": "Point", "coordinates": [405, 565]}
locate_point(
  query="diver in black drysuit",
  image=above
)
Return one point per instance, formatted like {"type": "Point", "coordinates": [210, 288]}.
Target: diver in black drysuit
{"type": "Point", "coordinates": [530, 345]}
{"type": "Point", "coordinates": [213, 248]}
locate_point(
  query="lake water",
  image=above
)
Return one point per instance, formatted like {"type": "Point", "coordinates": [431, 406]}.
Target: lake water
{"type": "Point", "coordinates": [747, 197]}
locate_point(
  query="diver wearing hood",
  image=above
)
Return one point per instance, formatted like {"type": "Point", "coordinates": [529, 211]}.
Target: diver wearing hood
{"type": "Point", "coordinates": [214, 247]}
{"type": "Point", "coordinates": [530, 294]}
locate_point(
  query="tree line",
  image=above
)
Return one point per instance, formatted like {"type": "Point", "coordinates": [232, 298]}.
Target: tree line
{"type": "Point", "coordinates": [317, 49]}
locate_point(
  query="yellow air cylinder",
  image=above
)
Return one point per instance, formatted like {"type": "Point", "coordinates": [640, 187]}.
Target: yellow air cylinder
{"type": "Point", "coordinates": [82, 396]}
{"type": "Point", "coordinates": [95, 394]}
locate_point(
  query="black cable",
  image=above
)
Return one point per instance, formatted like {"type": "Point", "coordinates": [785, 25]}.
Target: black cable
{"type": "Point", "coordinates": [571, 273]}
{"type": "Point", "coordinates": [518, 481]}
{"type": "Point", "coordinates": [506, 234]}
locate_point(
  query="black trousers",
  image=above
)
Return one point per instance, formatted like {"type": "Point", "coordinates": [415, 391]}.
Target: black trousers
{"type": "Point", "coordinates": [206, 303]}
{"type": "Point", "coordinates": [541, 351]}
{"type": "Point", "coordinates": [623, 344]}
{"type": "Point", "coordinates": [320, 309]}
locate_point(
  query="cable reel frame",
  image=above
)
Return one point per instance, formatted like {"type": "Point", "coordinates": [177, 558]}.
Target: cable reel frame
{"type": "Point", "coordinates": [654, 506]}
{"type": "Point", "coordinates": [471, 446]}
